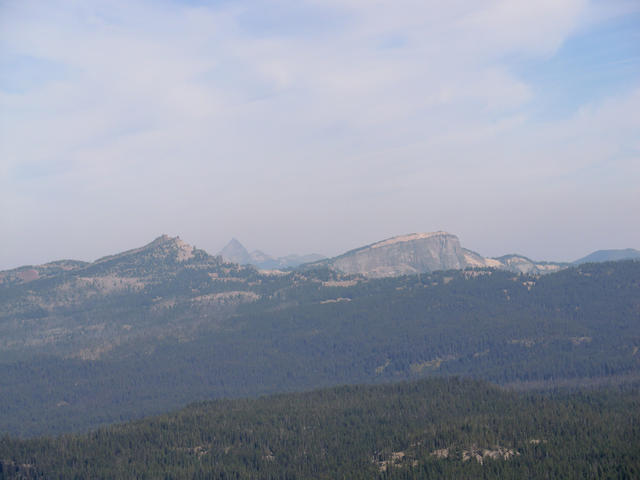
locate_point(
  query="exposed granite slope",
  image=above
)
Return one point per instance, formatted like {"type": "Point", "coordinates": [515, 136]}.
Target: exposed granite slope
{"type": "Point", "coordinates": [404, 255]}
{"type": "Point", "coordinates": [426, 252]}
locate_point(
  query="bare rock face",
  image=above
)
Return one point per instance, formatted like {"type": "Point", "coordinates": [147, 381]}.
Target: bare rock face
{"type": "Point", "coordinates": [426, 252]}
{"type": "Point", "coordinates": [404, 255]}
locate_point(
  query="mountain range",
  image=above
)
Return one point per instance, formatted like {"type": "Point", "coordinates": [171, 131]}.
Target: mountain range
{"type": "Point", "coordinates": [401, 255]}
{"type": "Point", "coordinates": [409, 255]}
{"type": "Point", "coordinates": [157, 327]}
{"type": "Point", "coordinates": [235, 252]}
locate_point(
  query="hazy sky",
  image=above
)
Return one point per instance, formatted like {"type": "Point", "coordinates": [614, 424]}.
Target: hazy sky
{"type": "Point", "coordinates": [318, 126]}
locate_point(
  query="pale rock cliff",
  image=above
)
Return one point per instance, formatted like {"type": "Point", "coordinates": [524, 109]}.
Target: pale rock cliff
{"type": "Point", "coordinates": [426, 252]}
{"type": "Point", "coordinates": [404, 255]}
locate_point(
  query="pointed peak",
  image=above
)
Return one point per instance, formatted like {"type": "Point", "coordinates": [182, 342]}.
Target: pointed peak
{"type": "Point", "coordinates": [235, 252]}
{"type": "Point", "coordinates": [234, 241]}
{"type": "Point", "coordinates": [235, 245]}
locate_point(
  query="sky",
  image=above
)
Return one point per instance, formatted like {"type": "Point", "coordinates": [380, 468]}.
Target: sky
{"type": "Point", "coordinates": [302, 126]}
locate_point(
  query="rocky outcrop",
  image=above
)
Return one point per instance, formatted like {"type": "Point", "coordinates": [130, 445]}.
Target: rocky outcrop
{"type": "Point", "coordinates": [521, 264]}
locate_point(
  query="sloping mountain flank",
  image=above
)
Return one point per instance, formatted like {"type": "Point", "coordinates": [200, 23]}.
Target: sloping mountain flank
{"type": "Point", "coordinates": [610, 256]}
{"type": "Point", "coordinates": [29, 273]}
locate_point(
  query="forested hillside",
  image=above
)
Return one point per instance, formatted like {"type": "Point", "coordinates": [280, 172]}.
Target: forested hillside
{"type": "Point", "coordinates": [438, 428]}
{"type": "Point", "coordinates": [298, 331]}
